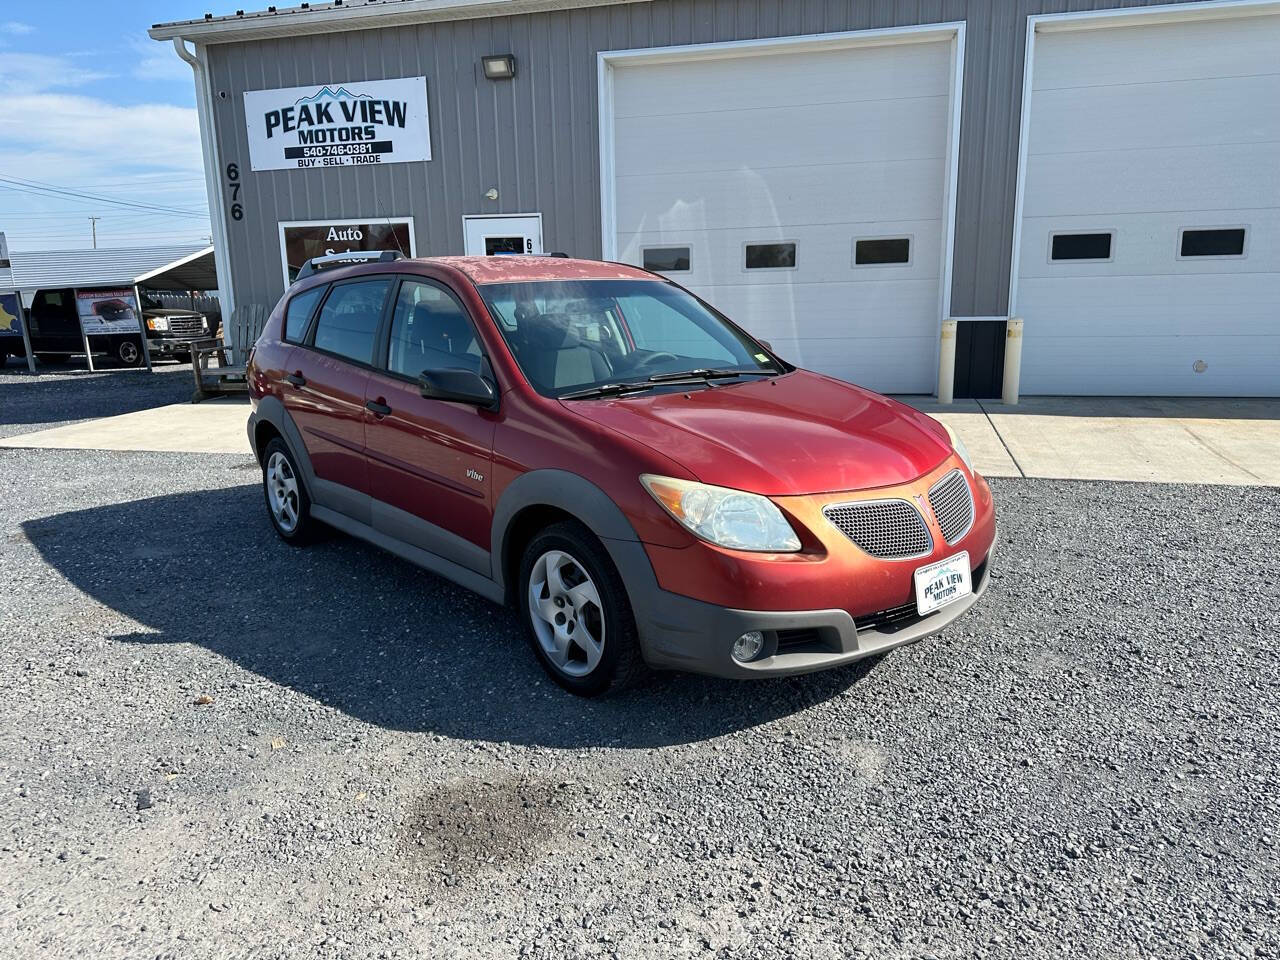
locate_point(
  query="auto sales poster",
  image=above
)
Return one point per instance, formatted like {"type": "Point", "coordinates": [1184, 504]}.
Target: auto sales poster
{"type": "Point", "coordinates": [106, 311]}
{"type": "Point", "coordinates": [338, 125]}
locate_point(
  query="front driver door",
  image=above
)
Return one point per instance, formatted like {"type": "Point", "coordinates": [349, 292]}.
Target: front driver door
{"type": "Point", "coordinates": [429, 460]}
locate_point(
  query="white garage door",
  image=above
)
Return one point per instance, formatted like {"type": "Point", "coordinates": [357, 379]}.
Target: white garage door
{"type": "Point", "coordinates": [802, 193]}
{"type": "Point", "coordinates": [1150, 246]}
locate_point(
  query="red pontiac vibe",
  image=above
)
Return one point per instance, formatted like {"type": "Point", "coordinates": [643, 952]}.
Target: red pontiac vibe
{"type": "Point", "coordinates": [648, 484]}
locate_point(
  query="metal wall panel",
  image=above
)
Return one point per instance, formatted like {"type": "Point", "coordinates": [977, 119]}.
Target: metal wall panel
{"type": "Point", "coordinates": [535, 138]}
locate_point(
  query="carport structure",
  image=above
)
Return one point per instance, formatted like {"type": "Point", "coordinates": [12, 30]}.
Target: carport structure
{"type": "Point", "coordinates": [185, 267]}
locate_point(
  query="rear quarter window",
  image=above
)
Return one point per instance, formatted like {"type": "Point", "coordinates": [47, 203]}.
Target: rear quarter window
{"type": "Point", "coordinates": [298, 313]}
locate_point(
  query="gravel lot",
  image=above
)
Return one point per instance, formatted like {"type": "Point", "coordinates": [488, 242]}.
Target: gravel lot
{"type": "Point", "coordinates": [214, 745]}
{"type": "Point", "coordinates": [66, 393]}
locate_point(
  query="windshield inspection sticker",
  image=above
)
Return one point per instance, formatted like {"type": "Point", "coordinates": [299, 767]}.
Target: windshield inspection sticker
{"type": "Point", "coordinates": [338, 125]}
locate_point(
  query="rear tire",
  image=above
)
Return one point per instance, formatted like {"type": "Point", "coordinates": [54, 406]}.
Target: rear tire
{"type": "Point", "coordinates": [288, 505]}
{"type": "Point", "coordinates": [577, 613]}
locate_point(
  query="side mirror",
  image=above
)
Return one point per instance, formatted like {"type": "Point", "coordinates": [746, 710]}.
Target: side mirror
{"type": "Point", "coordinates": [458, 385]}
{"type": "Point", "coordinates": [765, 343]}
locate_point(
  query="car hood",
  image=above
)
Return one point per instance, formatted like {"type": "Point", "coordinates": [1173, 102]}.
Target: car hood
{"type": "Point", "coordinates": [801, 433]}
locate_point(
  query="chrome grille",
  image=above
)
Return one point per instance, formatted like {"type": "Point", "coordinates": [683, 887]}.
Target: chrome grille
{"type": "Point", "coordinates": [889, 529]}
{"type": "Point", "coordinates": [952, 503]}
{"type": "Point", "coordinates": [186, 326]}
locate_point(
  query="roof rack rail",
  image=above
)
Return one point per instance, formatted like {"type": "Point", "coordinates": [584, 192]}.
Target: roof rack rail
{"type": "Point", "coordinates": [348, 259]}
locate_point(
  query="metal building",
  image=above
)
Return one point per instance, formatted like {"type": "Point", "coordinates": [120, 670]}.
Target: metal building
{"type": "Point", "coordinates": [841, 176]}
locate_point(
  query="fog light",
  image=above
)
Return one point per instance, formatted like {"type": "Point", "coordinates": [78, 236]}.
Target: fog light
{"type": "Point", "coordinates": [748, 646]}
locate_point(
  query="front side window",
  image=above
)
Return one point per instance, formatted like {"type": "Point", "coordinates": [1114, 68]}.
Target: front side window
{"type": "Point", "coordinates": [299, 312]}
{"type": "Point", "coordinates": [348, 321]}
{"type": "Point", "coordinates": [575, 334]}
{"type": "Point", "coordinates": [430, 331]}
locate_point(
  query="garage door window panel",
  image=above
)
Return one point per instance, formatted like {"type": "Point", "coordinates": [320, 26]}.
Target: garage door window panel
{"type": "Point", "coordinates": [882, 252]}
{"type": "Point", "coordinates": [347, 325]}
{"type": "Point", "coordinates": [1214, 243]}
{"type": "Point", "coordinates": [770, 256]}
{"type": "Point", "coordinates": [672, 259]}
{"type": "Point", "coordinates": [1088, 247]}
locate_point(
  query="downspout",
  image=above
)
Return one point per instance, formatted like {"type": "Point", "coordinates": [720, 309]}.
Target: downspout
{"type": "Point", "coordinates": [212, 180]}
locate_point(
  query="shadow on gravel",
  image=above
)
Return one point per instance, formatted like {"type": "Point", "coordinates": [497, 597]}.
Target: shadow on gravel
{"type": "Point", "coordinates": [61, 393]}
{"type": "Point", "coordinates": [370, 635]}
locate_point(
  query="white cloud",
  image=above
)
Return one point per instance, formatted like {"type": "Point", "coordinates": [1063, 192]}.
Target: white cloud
{"type": "Point", "coordinates": [33, 72]}
{"type": "Point", "coordinates": [102, 135]}
{"type": "Point", "coordinates": [14, 28]}
{"type": "Point", "coordinates": [157, 61]}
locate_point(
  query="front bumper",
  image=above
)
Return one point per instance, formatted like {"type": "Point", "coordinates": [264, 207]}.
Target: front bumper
{"type": "Point", "coordinates": [679, 633]}
{"type": "Point", "coordinates": [165, 346]}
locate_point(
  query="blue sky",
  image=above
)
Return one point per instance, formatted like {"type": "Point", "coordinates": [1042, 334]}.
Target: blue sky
{"type": "Point", "coordinates": [89, 103]}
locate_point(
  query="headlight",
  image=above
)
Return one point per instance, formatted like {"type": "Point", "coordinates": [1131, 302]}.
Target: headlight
{"type": "Point", "coordinates": [961, 450]}
{"type": "Point", "coordinates": [727, 518]}
{"type": "Point", "coordinates": [158, 324]}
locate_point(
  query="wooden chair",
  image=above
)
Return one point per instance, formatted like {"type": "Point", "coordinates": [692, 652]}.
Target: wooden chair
{"type": "Point", "coordinates": [228, 377]}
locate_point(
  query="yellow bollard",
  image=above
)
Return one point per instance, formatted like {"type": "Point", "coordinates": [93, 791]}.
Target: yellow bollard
{"type": "Point", "coordinates": [947, 363]}
{"type": "Point", "coordinates": [1012, 361]}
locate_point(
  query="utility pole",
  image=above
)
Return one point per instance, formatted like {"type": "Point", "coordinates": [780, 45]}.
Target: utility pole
{"type": "Point", "coordinates": [93, 225]}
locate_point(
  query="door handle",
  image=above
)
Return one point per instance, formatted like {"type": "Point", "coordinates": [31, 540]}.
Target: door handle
{"type": "Point", "coordinates": [377, 408]}
{"type": "Point", "coordinates": [297, 379]}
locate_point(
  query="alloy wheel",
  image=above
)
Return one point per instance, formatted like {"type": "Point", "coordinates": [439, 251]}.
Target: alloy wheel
{"type": "Point", "coordinates": [282, 491]}
{"type": "Point", "coordinates": [565, 610]}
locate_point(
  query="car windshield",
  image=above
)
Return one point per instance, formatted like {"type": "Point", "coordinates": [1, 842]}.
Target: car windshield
{"type": "Point", "coordinates": [570, 336]}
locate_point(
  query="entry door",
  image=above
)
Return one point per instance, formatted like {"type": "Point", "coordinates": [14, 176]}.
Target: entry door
{"type": "Point", "coordinates": [502, 236]}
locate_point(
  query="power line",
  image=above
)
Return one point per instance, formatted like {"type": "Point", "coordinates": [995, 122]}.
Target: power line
{"type": "Point", "coordinates": [34, 187]}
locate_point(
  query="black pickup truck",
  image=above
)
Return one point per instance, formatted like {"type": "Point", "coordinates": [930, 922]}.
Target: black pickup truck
{"type": "Point", "coordinates": [54, 328]}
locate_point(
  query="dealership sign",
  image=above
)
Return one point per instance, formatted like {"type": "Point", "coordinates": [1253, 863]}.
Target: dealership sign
{"type": "Point", "coordinates": [338, 125]}
{"type": "Point", "coordinates": [107, 311]}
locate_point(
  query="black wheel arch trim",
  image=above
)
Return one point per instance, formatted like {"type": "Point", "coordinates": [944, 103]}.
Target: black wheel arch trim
{"type": "Point", "coordinates": [272, 411]}
{"type": "Point", "coordinates": [564, 491]}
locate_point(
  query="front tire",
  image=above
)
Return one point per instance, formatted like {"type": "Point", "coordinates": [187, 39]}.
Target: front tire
{"type": "Point", "coordinates": [577, 613]}
{"type": "Point", "coordinates": [288, 505]}
{"type": "Point", "coordinates": [129, 353]}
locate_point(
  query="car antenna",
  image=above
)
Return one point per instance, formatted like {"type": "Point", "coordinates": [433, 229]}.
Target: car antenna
{"type": "Point", "coordinates": [394, 238]}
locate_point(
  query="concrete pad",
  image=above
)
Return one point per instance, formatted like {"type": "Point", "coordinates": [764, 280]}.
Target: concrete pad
{"type": "Point", "coordinates": [215, 426]}
{"type": "Point", "coordinates": [972, 425]}
{"type": "Point", "coordinates": [1161, 440]}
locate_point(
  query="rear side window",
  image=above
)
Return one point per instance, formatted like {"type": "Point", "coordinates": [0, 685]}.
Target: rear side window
{"type": "Point", "coordinates": [348, 321]}
{"type": "Point", "coordinates": [299, 311]}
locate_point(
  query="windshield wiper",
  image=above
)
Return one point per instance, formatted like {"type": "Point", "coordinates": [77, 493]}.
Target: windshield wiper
{"type": "Point", "coordinates": [606, 390]}
{"type": "Point", "coordinates": [705, 373]}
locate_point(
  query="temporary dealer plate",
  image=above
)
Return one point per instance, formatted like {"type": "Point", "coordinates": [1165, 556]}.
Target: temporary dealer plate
{"type": "Point", "coordinates": [943, 582]}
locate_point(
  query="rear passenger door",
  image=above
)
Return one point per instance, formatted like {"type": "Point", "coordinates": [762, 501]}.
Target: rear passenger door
{"type": "Point", "coordinates": [325, 390]}
{"type": "Point", "coordinates": [429, 460]}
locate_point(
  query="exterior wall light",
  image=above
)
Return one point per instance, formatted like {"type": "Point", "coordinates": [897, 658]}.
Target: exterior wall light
{"type": "Point", "coordinates": [500, 67]}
